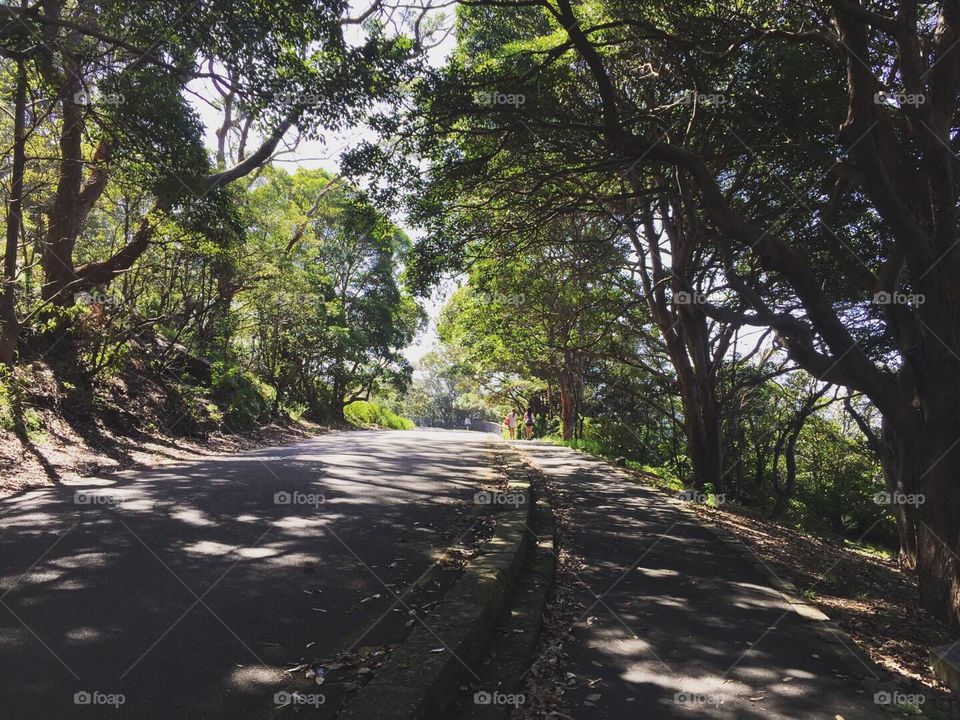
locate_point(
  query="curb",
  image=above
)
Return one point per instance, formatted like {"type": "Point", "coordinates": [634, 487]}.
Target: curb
{"type": "Point", "coordinates": [513, 651]}
{"type": "Point", "coordinates": [423, 674]}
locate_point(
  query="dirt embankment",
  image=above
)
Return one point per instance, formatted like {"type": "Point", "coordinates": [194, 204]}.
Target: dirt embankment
{"type": "Point", "coordinates": [57, 430]}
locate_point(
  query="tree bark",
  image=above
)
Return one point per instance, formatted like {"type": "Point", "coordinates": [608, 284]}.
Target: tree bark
{"type": "Point", "coordinates": [571, 388]}
{"type": "Point", "coordinates": [9, 324]}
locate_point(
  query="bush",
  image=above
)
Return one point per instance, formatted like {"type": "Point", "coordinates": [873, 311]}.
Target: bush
{"type": "Point", "coordinates": [6, 406]}
{"type": "Point", "coordinates": [244, 399]}
{"type": "Point", "coordinates": [14, 415]}
{"type": "Point", "coordinates": [370, 414]}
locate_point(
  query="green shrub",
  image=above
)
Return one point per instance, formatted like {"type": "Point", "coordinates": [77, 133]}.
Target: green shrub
{"type": "Point", "coordinates": [244, 399]}
{"type": "Point", "coordinates": [15, 416]}
{"type": "Point", "coordinates": [6, 406]}
{"type": "Point", "coordinates": [370, 414]}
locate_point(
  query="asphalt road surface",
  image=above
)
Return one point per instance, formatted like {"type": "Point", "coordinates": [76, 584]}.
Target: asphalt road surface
{"type": "Point", "coordinates": [674, 624]}
{"type": "Point", "coordinates": [184, 592]}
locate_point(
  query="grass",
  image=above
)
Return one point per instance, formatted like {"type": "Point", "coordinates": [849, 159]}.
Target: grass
{"type": "Point", "coordinates": [868, 549]}
{"type": "Point", "coordinates": [660, 477]}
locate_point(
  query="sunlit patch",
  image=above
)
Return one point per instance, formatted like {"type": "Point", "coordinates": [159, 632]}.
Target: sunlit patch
{"type": "Point", "coordinates": [82, 634]}
{"type": "Point", "coordinates": [42, 576]}
{"type": "Point", "coordinates": [208, 547]}
{"type": "Point", "coordinates": [658, 572]}
{"type": "Point", "coordinates": [82, 560]}
{"type": "Point", "coordinates": [192, 516]}
{"type": "Point", "coordinates": [255, 678]}
{"type": "Point", "coordinates": [69, 585]}
{"type": "Point", "coordinates": [758, 588]}
{"type": "Point", "coordinates": [257, 552]}
{"type": "Point", "coordinates": [300, 559]}
{"type": "Point", "coordinates": [303, 523]}
{"type": "Point", "coordinates": [89, 483]}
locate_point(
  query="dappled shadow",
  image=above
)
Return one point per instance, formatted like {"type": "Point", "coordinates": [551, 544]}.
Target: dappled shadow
{"type": "Point", "coordinates": [190, 588]}
{"type": "Point", "coordinates": [21, 429]}
{"type": "Point", "coordinates": [675, 623]}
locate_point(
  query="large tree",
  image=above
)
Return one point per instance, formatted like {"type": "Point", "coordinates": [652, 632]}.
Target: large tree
{"type": "Point", "coordinates": [111, 86]}
{"type": "Point", "coordinates": [816, 144]}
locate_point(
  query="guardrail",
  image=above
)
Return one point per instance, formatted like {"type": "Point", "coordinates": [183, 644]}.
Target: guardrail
{"type": "Point", "coordinates": [485, 426]}
{"type": "Point", "coordinates": [475, 425]}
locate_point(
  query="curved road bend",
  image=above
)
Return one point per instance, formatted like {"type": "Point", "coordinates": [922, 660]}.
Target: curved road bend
{"type": "Point", "coordinates": [189, 589]}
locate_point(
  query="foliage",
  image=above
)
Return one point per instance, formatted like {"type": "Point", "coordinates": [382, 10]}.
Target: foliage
{"type": "Point", "coordinates": [364, 414]}
{"type": "Point", "coordinates": [245, 399]}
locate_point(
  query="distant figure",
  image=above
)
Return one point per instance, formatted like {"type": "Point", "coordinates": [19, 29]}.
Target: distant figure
{"type": "Point", "coordinates": [466, 423]}
{"type": "Point", "coordinates": [511, 422]}
{"type": "Point", "coordinates": [528, 423]}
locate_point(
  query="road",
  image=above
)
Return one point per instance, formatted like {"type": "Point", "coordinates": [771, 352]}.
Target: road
{"type": "Point", "coordinates": [184, 592]}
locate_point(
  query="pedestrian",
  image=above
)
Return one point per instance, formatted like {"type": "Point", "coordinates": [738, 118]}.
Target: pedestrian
{"type": "Point", "coordinates": [466, 423]}
{"type": "Point", "coordinates": [528, 423]}
{"type": "Point", "coordinates": [511, 422]}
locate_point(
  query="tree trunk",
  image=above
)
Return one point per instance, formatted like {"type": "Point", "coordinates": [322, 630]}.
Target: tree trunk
{"type": "Point", "coordinates": [902, 460]}
{"type": "Point", "coordinates": [571, 387]}
{"type": "Point", "coordinates": [9, 324]}
{"type": "Point", "coordinates": [785, 492]}
{"type": "Point", "coordinates": [568, 413]}
{"type": "Point", "coordinates": [701, 428]}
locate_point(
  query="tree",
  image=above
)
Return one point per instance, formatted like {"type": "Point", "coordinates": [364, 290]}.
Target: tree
{"type": "Point", "coordinates": [843, 242]}
{"type": "Point", "coordinates": [324, 300]}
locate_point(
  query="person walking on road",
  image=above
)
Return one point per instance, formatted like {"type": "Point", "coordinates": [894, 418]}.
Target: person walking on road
{"type": "Point", "coordinates": [466, 423]}
{"type": "Point", "coordinates": [511, 422]}
{"type": "Point", "coordinates": [528, 423]}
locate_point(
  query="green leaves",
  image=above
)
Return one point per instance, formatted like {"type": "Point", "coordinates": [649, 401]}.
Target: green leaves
{"type": "Point", "coordinates": [330, 304]}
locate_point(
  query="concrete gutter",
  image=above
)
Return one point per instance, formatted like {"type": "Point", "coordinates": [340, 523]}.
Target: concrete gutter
{"type": "Point", "coordinates": [423, 674]}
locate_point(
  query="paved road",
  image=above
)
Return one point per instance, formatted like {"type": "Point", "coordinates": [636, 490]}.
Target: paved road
{"type": "Point", "coordinates": [188, 589]}
{"type": "Point", "coordinates": [675, 624]}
